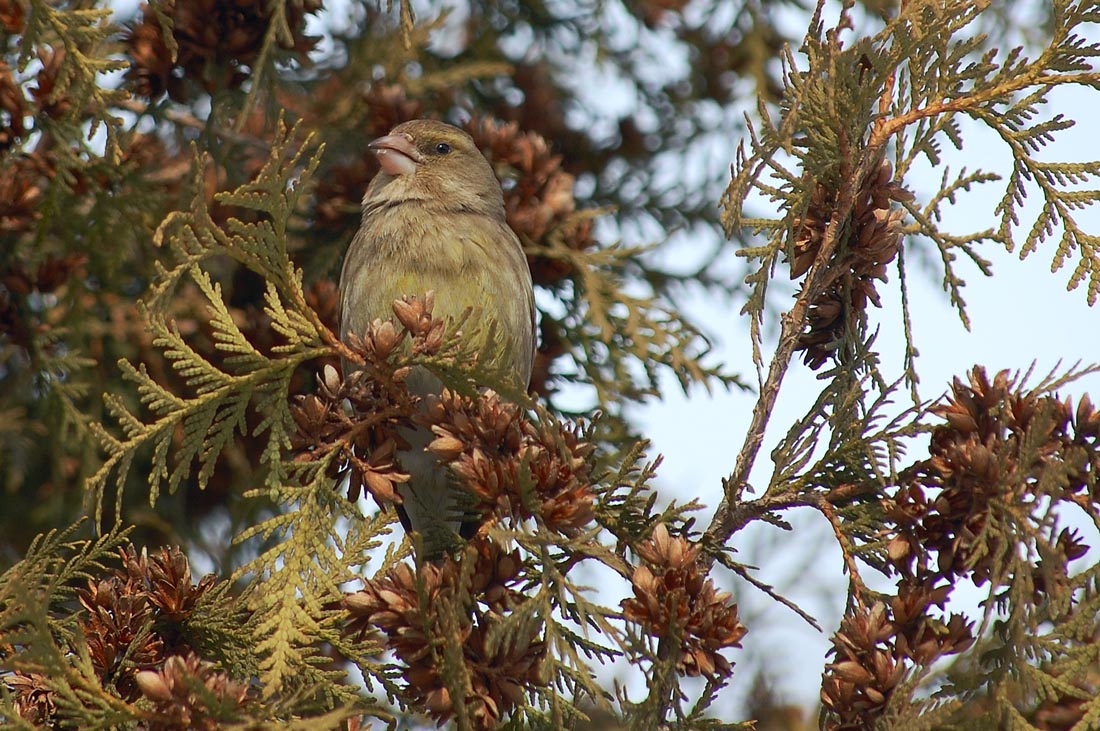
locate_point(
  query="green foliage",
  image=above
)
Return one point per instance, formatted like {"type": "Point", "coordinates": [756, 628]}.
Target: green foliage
{"type": "Point", "coordinates": [222, 393]}
{"type": "Point", "coordinates": [290, 583]}
{"type": "Point", "coordinates": [846, 107]}
{"type": "Point", "coordinates": [80, 35]}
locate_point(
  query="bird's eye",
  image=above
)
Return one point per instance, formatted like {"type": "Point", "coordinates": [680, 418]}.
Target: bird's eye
{"type": "Point", "coordinates": [442, 148]}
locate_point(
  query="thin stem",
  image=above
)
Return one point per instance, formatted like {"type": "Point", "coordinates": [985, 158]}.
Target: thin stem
{"type": "Point", "coordinates": [857, 589]}
{"type": "Point", "coordinates": [186, 119]}
{"type": "Point", "coordinates": [728, 517]}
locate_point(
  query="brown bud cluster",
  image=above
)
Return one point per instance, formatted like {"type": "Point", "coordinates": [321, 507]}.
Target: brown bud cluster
{"type": "Point", "coordinates": [116, 629]}
{"type": "Point", "coordinates": [1000, 451]}
{"type": "Point", "coordinates": [18, 320]}
{"type": "Point", "coordinates": [23, 183]}
{"type": "Point", "coordinates": [13, 109]}
{"type": "Point", "coordinates": [46, 81]}
{"type": "Point", "coordinates": [539, 203]}
{"type": "Point", "coordinates": [995, 448]}
{"type": "Point", "coordinates": [14, 104]}
{"type": "Point", "coordinates": [132, 624]}
{"type": "Point", "coordinates": [216, 40]}
{"type": "Point", "coordinates": [673, 598]}
{"type": "Point", "coordinates": [655, 13]}
{"type": "Point", "coordinates": [34, 699]}
{"type": "Point", "coordinates": [12, 16]}
{"type": "Point", "coordinates": [872, 238]}
{"type": "Point", "coordinates": [517, 469]}
{"type": "Point", "coordinates": [25, 177]}
{"type": "Point", "coordinates": [875, 647]}
{"type": "Point", "coordinates": [412, 610]}
{"type": "Point", "coordinates": [354, 422]}
{"type": "Point", "coordinates": [189, 693]}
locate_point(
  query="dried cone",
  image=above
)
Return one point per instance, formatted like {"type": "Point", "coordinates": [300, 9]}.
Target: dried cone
{"type": "Point", "coordinates": [999, 451]}
{"type": "Point", "coordinates": [12, 16]}
{"type": "Point", "coordinates": [47, 79]}
{"type": "Point", "coordinates": [494, 452]}
{"type": "Point", "coordinates": [166, 579]}
{"type": "Point", "coordinates": [23, 184]}
{"type": "Point", "coordinates": [34, 700]}
{"type": "Point", "coordinates": [216, 41]}
{"type": "Point", "coordinates": [872, 242]}
{"type": "Point", "coordinates": [130, 629]}
{"type": "Point", "coordinates": [995, 446]}
{"type": "Point", "coordinates": [355, 423]}
{"type": "Point", "coordinates": [188, 693]}
{"type": "Point", "coordinates": [116, 632]}
{"type": "Point", "coordinates": [13, 108]}
{"type": "Point", "coordinates": [874, 649]}
{"type": "Point", "coordinates": [654, 13]}
{"type": "Point", "coordinates": [415, 611]}
{"type": "Point", "coordinates": [858, 683]}
{"type": "Point", "coordinates": [673, 598]}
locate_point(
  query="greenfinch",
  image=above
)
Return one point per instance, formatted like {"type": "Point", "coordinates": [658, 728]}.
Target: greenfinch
{"type": "Point", "coordinates": [433, 220]}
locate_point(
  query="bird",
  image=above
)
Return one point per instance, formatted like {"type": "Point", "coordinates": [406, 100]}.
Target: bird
{"type": "Point", "coordinates": [433, 219]}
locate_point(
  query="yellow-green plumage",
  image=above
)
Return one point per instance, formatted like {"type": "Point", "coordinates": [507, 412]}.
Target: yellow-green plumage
{"type": "Point", "coordinates": [433, 219]}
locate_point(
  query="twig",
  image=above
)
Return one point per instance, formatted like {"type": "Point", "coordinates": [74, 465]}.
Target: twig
{"type": "Point", "coordinates": [743, 572]}
{"type": "Point", "coordinates": [729, 516]}
{"type": "Point", "coordinates": [857, 588]}
{"type": "Point", "coordinates": [186, 119]}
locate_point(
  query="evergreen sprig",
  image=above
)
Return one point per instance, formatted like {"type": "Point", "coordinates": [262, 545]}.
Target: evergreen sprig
{"type": "Point", "coordinates": [246, 379]}
{"type": "Point", "coordinates": [82, 36]}
{"type": "Point", "coordinates": [291, 581]}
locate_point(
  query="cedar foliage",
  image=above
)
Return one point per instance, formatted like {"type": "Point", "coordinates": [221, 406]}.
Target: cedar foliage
{"type": "Point", "coordinates": [169, 381]}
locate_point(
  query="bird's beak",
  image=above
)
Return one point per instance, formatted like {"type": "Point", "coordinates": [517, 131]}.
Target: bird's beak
{"type": "Point", "coordinates": [396, 154]}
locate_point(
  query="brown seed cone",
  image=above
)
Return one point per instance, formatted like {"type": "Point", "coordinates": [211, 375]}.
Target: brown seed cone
{"type": "Point", "coordinates": [875, 647]}
{"type": "Point", "coordinates": [976, 459]}
{"type": "Point", "coordinates": [46, 82]}
{"type": "Point", "coordinates": [165, 578]}
{"type": "Point", "coordinates": [872, 242]}
{"type": "Point", "coordinates": [136, 612]}
{"type": "Point", "coordinates": [13, 106]}
{"type": "Point", "coordinates": [412, 610]}
{"type": "Point", "coordinates": [673, 598]}
{"type": "Point", "coordinates": [23, 183]}
{"type": "Point", "coordinates": [12, 17]}
{"type": "Point", "coordinates": [495, 451]}
{"type": "Point", "coordinates": [150, 73]}
{"type": "Point", "coordinates": [863, 675]}
{"type": "Point", "coordinates": [181, 693]}
{"type": "Point", "coordinates": [356, 422]}
{"type": "Point", "coordinates": [117, 629]}
{"type": "Point", "coordinates": [364, 438]}
{"type": "Point", "coordinates": [654, 13]}
{"type": "Point", "coordinates": [35, 701]}
{"type": "Point", "coordinates": [216, 41]}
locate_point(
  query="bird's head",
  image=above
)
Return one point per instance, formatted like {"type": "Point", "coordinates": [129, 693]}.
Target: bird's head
{"type": "Point", "coordinates": [436, 163]}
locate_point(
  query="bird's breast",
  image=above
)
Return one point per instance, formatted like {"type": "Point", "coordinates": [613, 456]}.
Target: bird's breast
{"type": "Point", "coordinates": [469, 261]}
